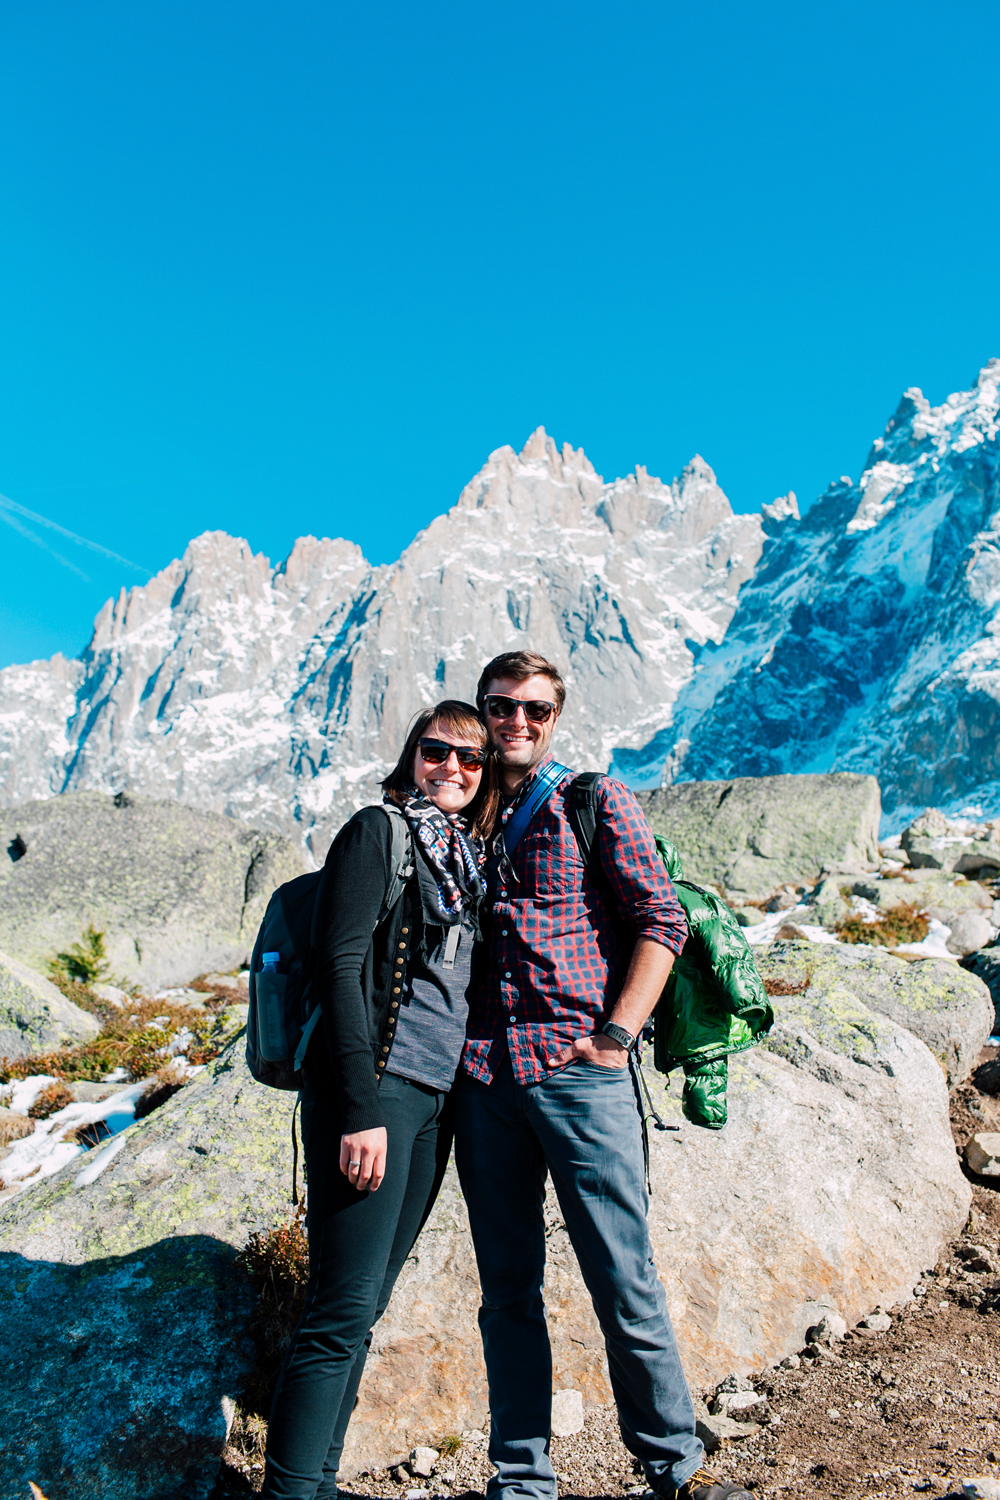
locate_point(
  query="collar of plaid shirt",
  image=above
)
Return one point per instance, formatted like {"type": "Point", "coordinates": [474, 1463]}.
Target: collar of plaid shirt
{"type": "Point", "coordinates": [556, 953]}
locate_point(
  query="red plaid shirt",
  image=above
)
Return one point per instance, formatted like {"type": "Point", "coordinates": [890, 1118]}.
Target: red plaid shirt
{"type": "Point", "coordinates": [555, 957]}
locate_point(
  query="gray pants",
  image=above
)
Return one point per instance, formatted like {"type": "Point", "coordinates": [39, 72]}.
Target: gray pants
{"type": "Point", "coordinates": [582, 1126]}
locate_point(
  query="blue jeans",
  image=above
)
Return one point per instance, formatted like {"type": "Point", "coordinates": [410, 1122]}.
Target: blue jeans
{"type": "Point", "coordinates": [582, 1126]}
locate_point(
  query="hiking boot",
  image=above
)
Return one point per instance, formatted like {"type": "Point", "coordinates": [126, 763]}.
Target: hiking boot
{"type": "Point", "coordinates": [704, 1485]}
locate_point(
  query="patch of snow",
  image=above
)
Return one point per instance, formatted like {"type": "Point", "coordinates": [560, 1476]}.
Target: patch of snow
{"type": "Point", "coordinates": [98, 1163]}
{"type": "Point", "coordinates": [26, 1090]}
{"type": "Point", "coordinates": [818, 934]}
{"type": "Point", "coordinates": [933, 945]}
{"type": "Point", "coordinates": [38, 1156]}
{"type": "Point", "coordinates": [763, 932]}
{"type": "Point", "coordinates": [178, 1043]}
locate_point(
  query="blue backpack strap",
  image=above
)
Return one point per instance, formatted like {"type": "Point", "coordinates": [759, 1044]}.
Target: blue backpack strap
{"type": "Point", "coordinates": [545, 783]}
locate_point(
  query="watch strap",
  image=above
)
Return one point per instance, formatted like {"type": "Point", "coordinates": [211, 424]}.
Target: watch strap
{"type": "Point", "coordinates": [620, 1035]}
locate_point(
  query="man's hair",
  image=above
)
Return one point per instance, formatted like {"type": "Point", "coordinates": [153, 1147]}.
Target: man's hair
{"type": "Point", "coordinates": [520, 665]}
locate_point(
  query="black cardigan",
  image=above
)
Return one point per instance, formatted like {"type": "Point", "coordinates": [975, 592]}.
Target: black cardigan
{"type": "Point", "coordinates": [359, 972]}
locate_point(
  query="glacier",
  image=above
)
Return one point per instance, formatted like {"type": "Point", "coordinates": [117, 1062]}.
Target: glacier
{"type": "Point", "coordinates": [696, 643]}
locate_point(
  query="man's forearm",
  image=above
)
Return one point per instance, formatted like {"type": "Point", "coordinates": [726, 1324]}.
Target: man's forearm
{"type": "Point", "coordinates": [647, 974]}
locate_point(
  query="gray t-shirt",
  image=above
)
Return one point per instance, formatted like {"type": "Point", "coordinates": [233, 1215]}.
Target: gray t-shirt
{"type": "Point", "coordinates": [430, 1033]}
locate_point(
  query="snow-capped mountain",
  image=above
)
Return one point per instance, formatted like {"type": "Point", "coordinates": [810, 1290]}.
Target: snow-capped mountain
{"type": "Point", "coordinates": [869, 636]}
{"type": "Point", "coordinates": [695, 642]}
{"type": "Point", "coordinates": [282, 695]}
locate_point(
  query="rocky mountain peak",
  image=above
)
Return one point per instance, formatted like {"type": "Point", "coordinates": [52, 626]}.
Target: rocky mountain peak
{"type": "Point", "coordinates": [696, 643]}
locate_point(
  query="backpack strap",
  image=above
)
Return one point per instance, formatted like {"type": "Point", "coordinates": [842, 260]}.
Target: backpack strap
{"type": "Point", "coordinates": [400, 859]}
{"type": "Point", "coordinates": [401, 865]}
{"type": "Point", "coordinates": [544, 784]}
{"type": "Point", "coordinates": [582, 812]}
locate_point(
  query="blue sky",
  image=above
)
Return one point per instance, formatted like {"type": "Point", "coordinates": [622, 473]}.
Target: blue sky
{"type": "Point", "coordinates": [287, 269]}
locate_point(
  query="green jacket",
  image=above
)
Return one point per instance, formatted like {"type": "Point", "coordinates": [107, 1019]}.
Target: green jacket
{"type": "Point", "coordinates": [714, 1002]}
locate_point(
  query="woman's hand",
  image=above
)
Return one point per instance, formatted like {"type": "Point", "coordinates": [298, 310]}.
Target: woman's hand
{"type": "Point", "coordinates": [362, 1158]}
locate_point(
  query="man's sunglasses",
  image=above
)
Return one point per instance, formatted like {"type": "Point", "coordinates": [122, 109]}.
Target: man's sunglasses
{"type": "Point", "coordinates": [436, 752]}
{"type": "Point", "coordinates": [536, 709]}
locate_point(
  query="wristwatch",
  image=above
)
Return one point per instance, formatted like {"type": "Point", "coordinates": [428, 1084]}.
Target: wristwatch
{"type": "Point", "coordinates": [620, 1035]}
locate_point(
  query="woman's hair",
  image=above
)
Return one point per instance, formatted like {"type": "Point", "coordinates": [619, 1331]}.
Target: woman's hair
{"type": "Point", "coordinates": [461, 719]}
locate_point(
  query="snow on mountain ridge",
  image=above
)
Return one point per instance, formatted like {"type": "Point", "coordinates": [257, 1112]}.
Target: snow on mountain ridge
{"type": "Point", "coordinates": [868, 637]}
{"type": "Point", "coordinates": [862, 635]}
{"type": "Point", "coordinates": [281, 695]}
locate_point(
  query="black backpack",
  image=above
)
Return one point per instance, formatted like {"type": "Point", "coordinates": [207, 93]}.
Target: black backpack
{"type": "Point", "coordinates": [283, 1014]}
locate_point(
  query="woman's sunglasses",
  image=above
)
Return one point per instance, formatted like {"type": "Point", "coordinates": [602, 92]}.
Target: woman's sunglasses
{"type": "Point", "coordinates": [536, 709]}
{"type": "Point", "coordinates": [436, 752]}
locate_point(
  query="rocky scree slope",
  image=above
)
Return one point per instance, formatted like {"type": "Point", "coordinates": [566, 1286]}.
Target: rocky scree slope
{"type": "Point", "coordinates": [281, 696]}
{"type": "Point", "coordinates": [869, 636]}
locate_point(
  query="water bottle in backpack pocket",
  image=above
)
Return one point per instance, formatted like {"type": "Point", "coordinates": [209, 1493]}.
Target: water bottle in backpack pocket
{"type": "Point", "coordinates": [271, 986]}
{"type": "Point", "coordinates": [281, 1017]}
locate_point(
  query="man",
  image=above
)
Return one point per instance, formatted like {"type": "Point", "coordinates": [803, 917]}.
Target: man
{"type": "Point", "coordinates": [548, 1085]}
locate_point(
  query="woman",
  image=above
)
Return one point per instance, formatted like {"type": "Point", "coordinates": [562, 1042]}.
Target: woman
{"type": "Point", "coordinates": [375, 1117]}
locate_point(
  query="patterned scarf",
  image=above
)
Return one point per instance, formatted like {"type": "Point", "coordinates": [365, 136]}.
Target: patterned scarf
{"type": "Point", "coordinates": [455, 859]}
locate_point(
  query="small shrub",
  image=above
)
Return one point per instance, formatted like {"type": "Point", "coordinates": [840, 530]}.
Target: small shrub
{"type": "Point", "coordinates": [14, 1127]}
{"type": "Point", "coordinates": [128, 1040]}
{"type": "Point", "coordinates": [163, 1085]}
{"type": "Point", "coordinates": [276, 1263]}
{"type": "Point", "coordinates": [53, 1097]}
{"type": "Point", "coordinates": [778, 986]}
{"type": "Point", "coordinates": [90, 1135]}
{"type": "Point", "coordinates": [451, 1445]}
{"type": "Point", "coordinates": [905, 923]}
{"type": "Point", "coordinates": [86, 961]}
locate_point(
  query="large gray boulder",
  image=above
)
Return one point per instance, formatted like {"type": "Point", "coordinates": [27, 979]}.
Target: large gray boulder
{"type": "Point", "coordinates": [833, 1185]}
{"type": "Point", "coordinates": [177, 892]}
{"type": "Point", "coordinates": [754, 833]}
{"type": "Point", "coordinates": [34, 1015]}
{"type": "Point", "coordinates": [122, 1317]}
{"type": "Point", "coordinates": [947, 1008]}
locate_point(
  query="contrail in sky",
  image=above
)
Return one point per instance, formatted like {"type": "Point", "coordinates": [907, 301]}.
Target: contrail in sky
{"type": "Point", "coordinates": [10, 510]}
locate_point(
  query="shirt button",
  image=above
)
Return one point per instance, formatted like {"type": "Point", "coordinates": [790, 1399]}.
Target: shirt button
{"type": "Point", "coordinates": [395, 1003]}
{"type": "Point", "coordinates": [513, 1020]}
{"type": "Point", "coordinates": [395, 991]}
{"type": "Point", "coordinates": [507, 973]}
{"type": "Point", "coordinates": [402, 945]}
{"type": "Point", "coordinates": [504, 933]}
{"type": "Point", "coordinates": [405, 930]}
{"type": "Point", "coordinates": [385, 1049]}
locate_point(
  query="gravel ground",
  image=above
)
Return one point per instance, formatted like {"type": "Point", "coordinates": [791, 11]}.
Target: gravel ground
{"type": "Point", "coordinates": [915, 1409]}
